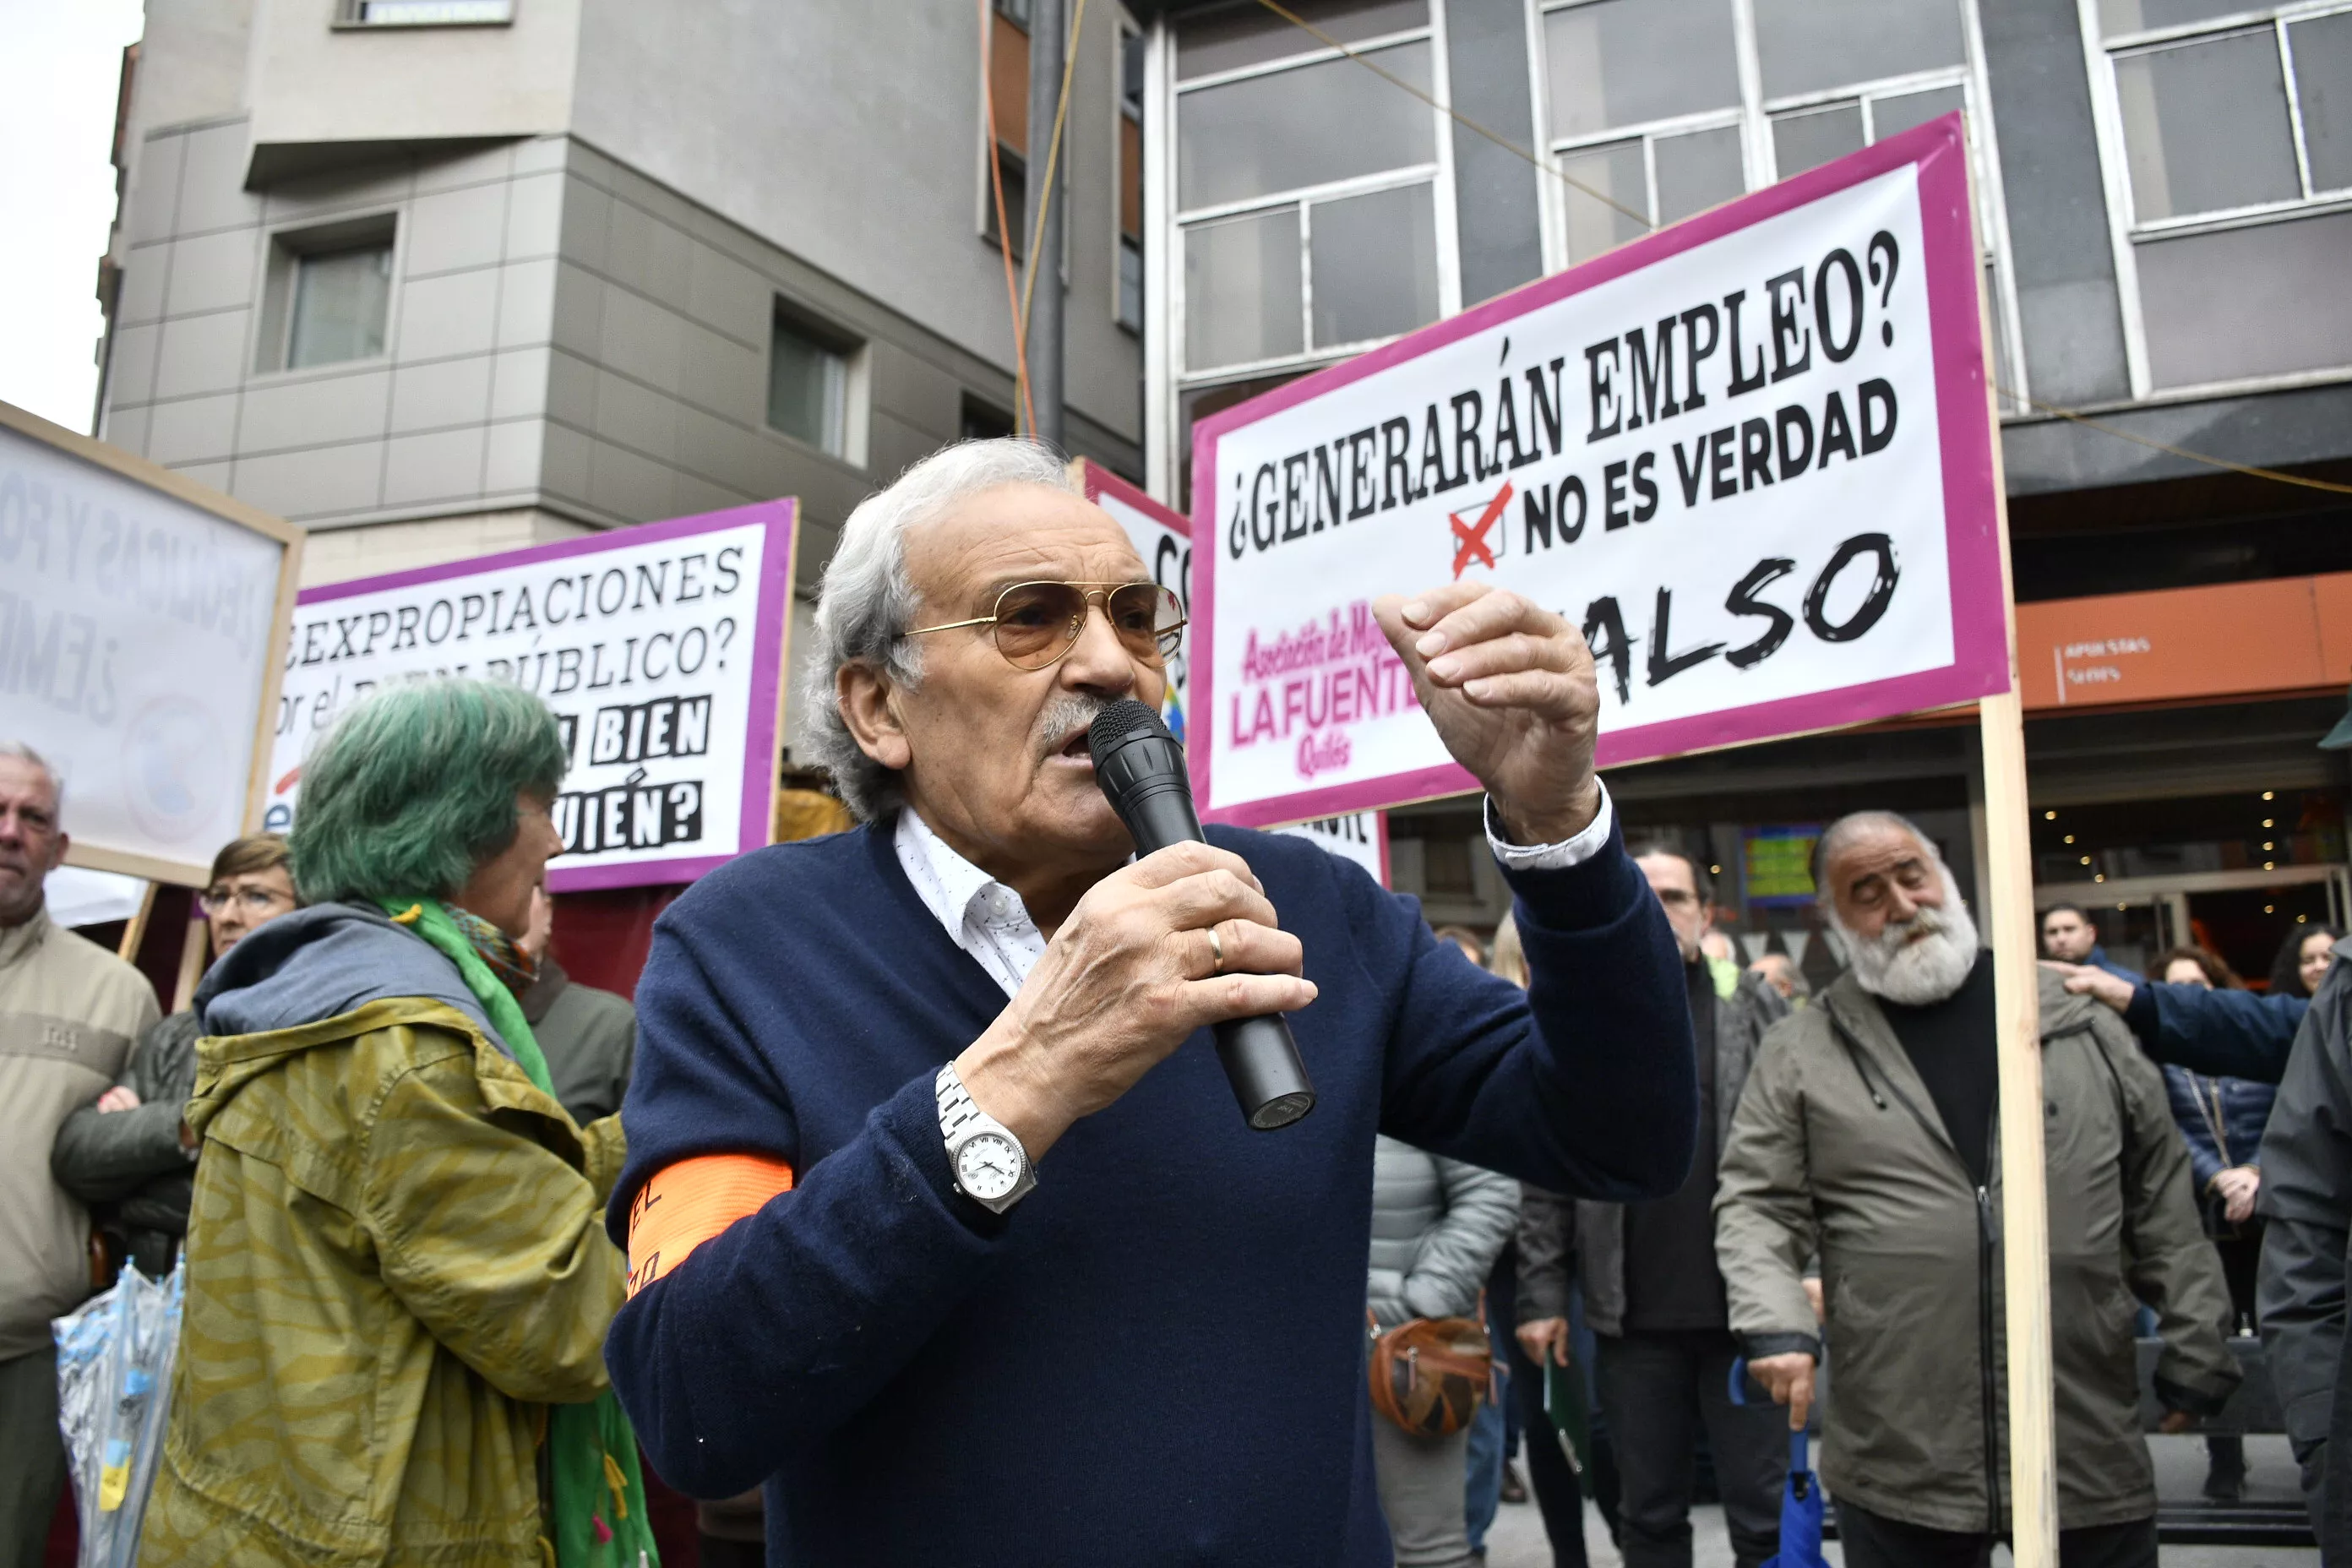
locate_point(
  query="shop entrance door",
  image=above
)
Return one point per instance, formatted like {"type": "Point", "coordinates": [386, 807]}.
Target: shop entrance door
{"type": "Point", "coordinates": [2245, 916]}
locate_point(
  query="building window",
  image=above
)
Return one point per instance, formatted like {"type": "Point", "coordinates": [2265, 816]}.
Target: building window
{"type": "Point", "coordinates": [426, 12]}
{"type": "Point", "coordinates": [983, 421]}
{"type": "Point", "coordinates": [1647, 115]}
{"type": "Point", "coordinates": [340, 300]}
{"type": "Point", "coordinates": [1006, 58]}
{"type": "Point", "coordinates": [1305, 187]}
{"type": "Point", "coordinates": [2230, 128]}
{"type": "Point", "coordinates": [327, 295]}
{"type": "Point", "coordinates": [1127, 294]}
{"type": "Point", "coordinates": [808, 384]}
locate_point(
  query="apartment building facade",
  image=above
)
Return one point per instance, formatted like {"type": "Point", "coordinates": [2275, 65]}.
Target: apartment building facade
{"type": "Point", "coordinates": [2165, 217]}
{"type": "Point", "coordinates": [434, 277]}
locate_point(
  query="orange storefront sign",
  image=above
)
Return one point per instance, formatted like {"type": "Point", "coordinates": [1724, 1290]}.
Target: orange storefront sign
{"type": "Point", "coordinates": [2285, 634]}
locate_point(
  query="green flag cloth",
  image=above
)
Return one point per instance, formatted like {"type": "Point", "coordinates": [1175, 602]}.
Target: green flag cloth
{"type": "Point", "coordinates": [1564, 1399]}
{"type": "Point", "coordinates": [597, 1517]}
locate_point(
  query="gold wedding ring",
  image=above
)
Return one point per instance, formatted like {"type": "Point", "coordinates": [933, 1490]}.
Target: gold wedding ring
{"type": "Point", "coordinates": [1217, 952]}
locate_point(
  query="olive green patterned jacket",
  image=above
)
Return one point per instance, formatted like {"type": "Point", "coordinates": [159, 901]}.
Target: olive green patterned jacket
{"type": "Point", "coordinates": [396, 1256]}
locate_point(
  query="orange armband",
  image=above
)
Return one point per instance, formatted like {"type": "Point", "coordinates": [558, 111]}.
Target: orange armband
{"type": "Point", "coordinates": [685, 1204]}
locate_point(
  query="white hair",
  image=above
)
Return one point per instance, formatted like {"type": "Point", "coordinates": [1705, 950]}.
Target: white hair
{"type": "Point", "coordinates": [866, 602]}
{"type": "Point", "coordinates": [25, 754]}
{"type": "Point", "coordinates": [1913, 962]}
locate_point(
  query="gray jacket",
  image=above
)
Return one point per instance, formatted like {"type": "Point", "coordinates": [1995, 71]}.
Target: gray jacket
{"type": "Point", "coordinates": [128, 1165]}
{"type": "Point", "coordinates": [1437, 1228]}
{"type": "Point", "coordinates": [1561, 1236]}
{"type": "Point", "coordinates": [589, 1038]}
{"type": "Point", "coordinates": [2307, 1162]}
{"type": "Point", "coordinates": [1838, 1146]}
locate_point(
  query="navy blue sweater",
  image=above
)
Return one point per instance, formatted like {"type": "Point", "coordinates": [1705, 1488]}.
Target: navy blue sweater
{"type": "Point", "coordinates": [1156, 1357]}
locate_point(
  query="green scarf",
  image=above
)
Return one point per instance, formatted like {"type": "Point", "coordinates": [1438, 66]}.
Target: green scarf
{"type": "Point", "coordinates": [598, 1516]}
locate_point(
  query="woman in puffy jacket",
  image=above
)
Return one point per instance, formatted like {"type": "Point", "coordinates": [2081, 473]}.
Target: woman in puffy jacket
{"type": "Point", "coordinates": [1437, 1228]}
{"type": "Point", "coordinates": [2222, 1120]}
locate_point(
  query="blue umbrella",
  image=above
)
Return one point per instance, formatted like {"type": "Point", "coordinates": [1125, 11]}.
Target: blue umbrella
{"type": "Point", "coordinates": [1801, 1503]}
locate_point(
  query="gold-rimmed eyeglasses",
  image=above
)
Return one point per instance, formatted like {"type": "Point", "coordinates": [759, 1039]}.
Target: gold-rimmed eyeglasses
{"type": "Point", "coordinates": [1035, 624]}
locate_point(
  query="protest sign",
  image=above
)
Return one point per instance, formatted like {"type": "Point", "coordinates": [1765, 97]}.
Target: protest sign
{"type": "Point", "coordinates": [1164, 538]}
{"type": "Point", "coordinates": [140, 614]}
{"type": "Point", "coordinates": [660, 648]}
{"type": "Point", "coordinates": [1361, 836]}
{"type": "Point", "coordinates": [1750, 455]}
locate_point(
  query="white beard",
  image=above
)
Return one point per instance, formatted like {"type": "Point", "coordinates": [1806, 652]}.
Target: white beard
{"type": "Point", "coordinates": [1920, 960]}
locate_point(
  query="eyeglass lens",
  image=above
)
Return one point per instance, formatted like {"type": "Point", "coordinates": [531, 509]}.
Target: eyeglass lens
{"type": "Point", "coordinates": [1037, 623]}
{"type": "Point", "coordinates": [254, 900]}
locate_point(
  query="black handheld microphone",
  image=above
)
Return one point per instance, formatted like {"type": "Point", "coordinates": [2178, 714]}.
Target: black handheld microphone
{"type": "Point", "coordinates": [1141, 767]}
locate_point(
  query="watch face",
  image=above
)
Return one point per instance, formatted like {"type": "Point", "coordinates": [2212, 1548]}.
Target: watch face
{"type": "Point", "coordinates": [988, 1166]}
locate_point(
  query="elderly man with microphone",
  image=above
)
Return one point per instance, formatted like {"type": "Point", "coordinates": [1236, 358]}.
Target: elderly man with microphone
{"type": "Point", "coordinates": [942, 1218]}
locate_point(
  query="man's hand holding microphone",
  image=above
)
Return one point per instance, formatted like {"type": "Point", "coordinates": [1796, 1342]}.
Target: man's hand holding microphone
{"type": "Point", "coordinates": [1184, 937]}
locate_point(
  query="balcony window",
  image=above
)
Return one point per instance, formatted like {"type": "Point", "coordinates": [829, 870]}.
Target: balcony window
{"type": "Point", "coordinates": [426, 13]}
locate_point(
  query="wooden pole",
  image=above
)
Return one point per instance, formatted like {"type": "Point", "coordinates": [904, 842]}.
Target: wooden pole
{"type": "Point", "coordinates": [136, 932]}
{"type": "Point", "coordinates": [2024, 1206]}
{"type": "Point", "coordinates": [193, 947]}
{"type": "Point", "coordinates": [2008, 910]}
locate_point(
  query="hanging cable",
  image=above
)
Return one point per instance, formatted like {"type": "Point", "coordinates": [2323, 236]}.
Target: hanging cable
{"type": "Point", "coordinates": [1463, 121]}
{"type": "Point", "coordinates": [1046, 193]}
{"type": "Point", "coordinates": [2248, 468]}
{"type": "Point", "coordinates": [1024, 416]}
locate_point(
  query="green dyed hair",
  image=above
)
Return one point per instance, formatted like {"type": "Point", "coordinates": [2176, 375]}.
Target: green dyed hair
{"type": "Point", "coordinates": [415, 786]}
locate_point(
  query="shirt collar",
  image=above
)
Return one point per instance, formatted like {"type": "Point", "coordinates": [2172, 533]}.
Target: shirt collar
{"type": "Point", "coordinates": [946, 882]}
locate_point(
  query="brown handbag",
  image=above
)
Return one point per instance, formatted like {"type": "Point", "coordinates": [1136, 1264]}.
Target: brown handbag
{"type": "Point", "coordinates": [1429, 1374]}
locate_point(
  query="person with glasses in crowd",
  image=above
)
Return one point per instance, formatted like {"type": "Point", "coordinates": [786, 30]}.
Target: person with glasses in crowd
{"type": "Point", "coordinates": [941, 1214]}
{"type": "Point", "coordinates": [129, 1156]}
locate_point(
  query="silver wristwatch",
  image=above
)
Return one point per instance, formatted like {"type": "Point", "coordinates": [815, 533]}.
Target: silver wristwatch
{"type": "Point", "coordinates": [991, 1167]}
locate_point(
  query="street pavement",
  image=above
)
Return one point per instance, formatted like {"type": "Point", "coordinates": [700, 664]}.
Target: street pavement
{"type": "Point", "coordinates": [1517, 1538]}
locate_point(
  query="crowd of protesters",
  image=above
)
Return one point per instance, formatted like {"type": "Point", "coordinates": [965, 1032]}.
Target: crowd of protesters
{"type": "Point", "coordinates": [428, 1282]}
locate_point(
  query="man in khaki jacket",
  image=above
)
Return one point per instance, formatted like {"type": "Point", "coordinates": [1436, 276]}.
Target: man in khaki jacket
{"type": "Point", "coordinates": [1867, 1133]}
{"type": "Point", "coordinates": [69, 1012]}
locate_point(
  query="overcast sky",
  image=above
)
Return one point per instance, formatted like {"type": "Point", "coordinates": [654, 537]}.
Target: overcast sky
{"type": "Point", "coordinates": [57, 195]}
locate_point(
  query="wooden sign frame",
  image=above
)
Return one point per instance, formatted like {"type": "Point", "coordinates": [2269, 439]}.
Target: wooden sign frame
{"type": "Point", "coordinates": [289, 536]}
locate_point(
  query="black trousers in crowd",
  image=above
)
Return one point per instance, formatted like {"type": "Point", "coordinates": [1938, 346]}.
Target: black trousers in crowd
{"type": "Point", "coordinates": [1660, 1389]}
{"type": "Point", "coordinates": [1874, 1540]}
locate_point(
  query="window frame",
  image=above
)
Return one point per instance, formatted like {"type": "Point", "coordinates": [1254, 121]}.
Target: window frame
{"type": "Point", "coordinates": [847, 347]}
{"type": "Point", "coordinates": [351, 15]}
{"type": "Point", "coordinates": [1169, 224]}
{"type": "Point", "coordinates": [2128, 232]}
{"type": "Point", "coordinates": [284, 251]}
{"type": "Point", "coordinates": [1129, 28]}
{"type": "Point", "coordinates": [1754, 115]}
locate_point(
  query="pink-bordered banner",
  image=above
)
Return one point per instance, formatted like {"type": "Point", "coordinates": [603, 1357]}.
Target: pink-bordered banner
{"type": "Point", "coordinates": [661, 648]}
{"type": "Point", "coordinates": [1163, 538]}
{"type": "Point", "coordinates": [1751, 454]}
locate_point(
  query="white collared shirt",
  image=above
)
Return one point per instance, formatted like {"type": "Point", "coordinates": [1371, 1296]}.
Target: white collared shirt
{"type": "Point", "coordinates": [987, 920]}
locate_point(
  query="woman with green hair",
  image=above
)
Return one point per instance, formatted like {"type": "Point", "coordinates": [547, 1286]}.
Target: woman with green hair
{"type": "Point", "coordinates": [398, 1280]}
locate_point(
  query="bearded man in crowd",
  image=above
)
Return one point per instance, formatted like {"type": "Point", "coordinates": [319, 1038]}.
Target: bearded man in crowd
{"type": "Point", "coordinates": [1867, 1135]}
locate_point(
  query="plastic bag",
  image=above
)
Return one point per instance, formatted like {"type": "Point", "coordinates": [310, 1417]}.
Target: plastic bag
{"type": "Point", "coordinates": [114, 1379]}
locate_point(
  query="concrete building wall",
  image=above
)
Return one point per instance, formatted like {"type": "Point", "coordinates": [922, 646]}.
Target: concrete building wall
{"type": "Point", "coordinates": [851, 136]}
{"type": "Point", "coordinates": [317, 83]}
{"type": "Point", "coordinates": [579, 333]}
{"type": "Point", "coordinates": [448, 420]}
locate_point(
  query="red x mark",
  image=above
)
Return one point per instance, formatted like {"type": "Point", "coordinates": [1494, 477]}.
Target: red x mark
{"type": "Point", "coordinates": [1470, 539]}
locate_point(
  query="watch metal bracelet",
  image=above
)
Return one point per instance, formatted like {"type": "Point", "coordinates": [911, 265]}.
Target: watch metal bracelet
{"type": "Point", "coordinates": [957, 1111]}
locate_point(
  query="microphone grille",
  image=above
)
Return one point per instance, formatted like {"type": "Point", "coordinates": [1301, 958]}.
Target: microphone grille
{"type": "Point", "coordinates": [1121, 721]}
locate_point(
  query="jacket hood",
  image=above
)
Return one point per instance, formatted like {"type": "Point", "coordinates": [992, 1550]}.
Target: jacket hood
{"type": "Point", "coordinates": [322, 961]}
